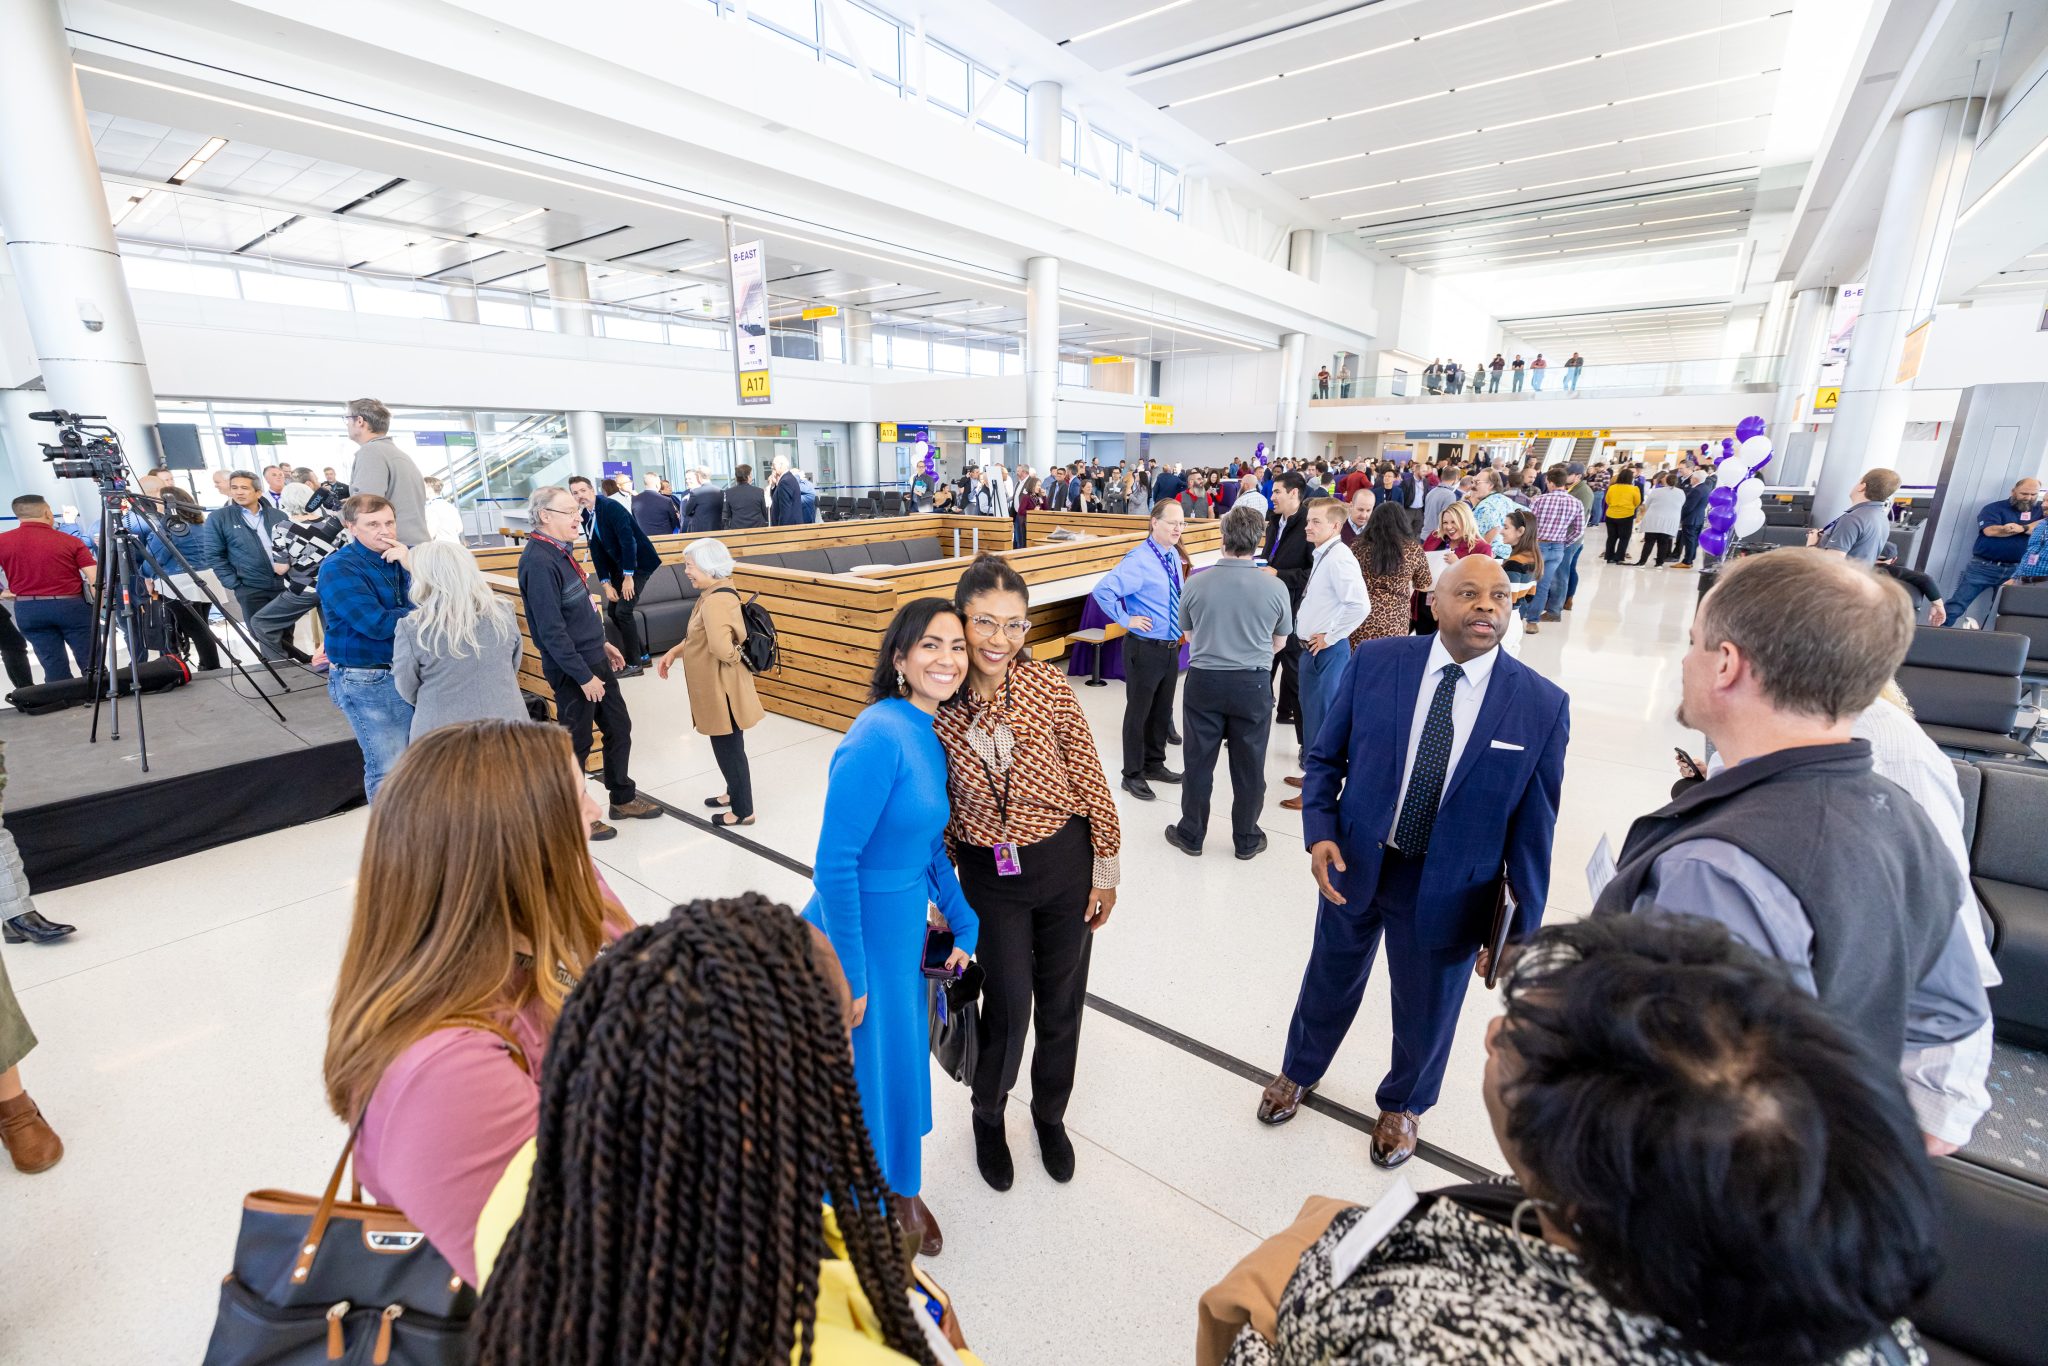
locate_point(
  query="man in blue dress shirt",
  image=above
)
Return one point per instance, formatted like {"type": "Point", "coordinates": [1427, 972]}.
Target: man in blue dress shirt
{"type": "Point", "coordinates": [1431, 789]}
{"type": "Point", "coordinates": [1142, 595]}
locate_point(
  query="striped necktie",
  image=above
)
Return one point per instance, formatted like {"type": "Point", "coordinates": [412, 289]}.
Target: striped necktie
{"type": "Point", "coordinates": [1432, 764]}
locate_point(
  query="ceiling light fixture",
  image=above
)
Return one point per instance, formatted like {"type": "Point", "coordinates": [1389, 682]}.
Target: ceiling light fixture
{"type": "Point", "coordinates": [134, 202]}
{"type": "Point", "coordinates": [516, 218]}
{"type": "Point", "coordinates": [1498, 80]}
{"type": "Point", "coordinates": [1360, 56]}
{"type": "Point", "coordinates": [198, 159]}
{"type": "Point", "coordinates": [2019, 168]}
{"type": "Point", "coordinates": [1135, 18]}
{"type": "Point", "coordinates": [2018, 284]}
{"type": "Point", "coordinates": [1517, 161]}
{"type": "Point", "coordinates": [1524, 189]}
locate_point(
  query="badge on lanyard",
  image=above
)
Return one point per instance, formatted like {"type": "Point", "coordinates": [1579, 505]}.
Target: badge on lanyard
{"type": "Point", "coordinates": [1007, 863]}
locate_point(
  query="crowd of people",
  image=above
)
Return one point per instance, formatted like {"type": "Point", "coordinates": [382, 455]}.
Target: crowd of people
{"type": "Point", "coordinates": [1442, 376]}
{"type": "Point", "coordinates": [1777, 1010]}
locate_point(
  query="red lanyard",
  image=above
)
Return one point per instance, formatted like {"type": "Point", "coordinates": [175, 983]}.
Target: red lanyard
{"type": "Point", "coordinates": [581, 577]}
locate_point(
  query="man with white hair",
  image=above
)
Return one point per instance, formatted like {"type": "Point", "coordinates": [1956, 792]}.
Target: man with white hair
{"type": "Point", "coordinates": [785, 495]}
{"type": "Point", "coordinates": [652, 509]}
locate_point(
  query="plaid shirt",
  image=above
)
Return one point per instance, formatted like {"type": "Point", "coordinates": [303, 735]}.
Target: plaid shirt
{"type": "Point", "coordinates": [362, 596]}
{"type": "Point", "coordinates": [1560, 518]}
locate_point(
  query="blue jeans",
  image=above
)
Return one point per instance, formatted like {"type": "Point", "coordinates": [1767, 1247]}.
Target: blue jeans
{"type": "Point", "coordinates": [1558, 563]}
{"type": "Point", "coordinates": [381, 719]}
{"type": "Point", "coordinates": [1978, 576]}
{"type": "Point", "coordinates": [51, 624]}
{"type": "Point", "coordinates": [1571, 570]}
{"type": "Point", "coordinates": [1319, 675]}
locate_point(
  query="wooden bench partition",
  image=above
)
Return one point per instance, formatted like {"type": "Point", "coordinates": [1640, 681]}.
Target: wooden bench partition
{"type": "Point", "coordinates": [829, 626]}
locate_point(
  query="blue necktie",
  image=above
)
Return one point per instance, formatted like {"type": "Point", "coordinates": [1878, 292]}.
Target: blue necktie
{"type": "Point", "coordinates": [1172, 593]}
{"type": "Point", "coordinates": [1432, 763]}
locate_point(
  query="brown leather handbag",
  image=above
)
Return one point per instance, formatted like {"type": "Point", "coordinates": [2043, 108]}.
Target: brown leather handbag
{"type": "Point", "coordinates": [319, 1279]}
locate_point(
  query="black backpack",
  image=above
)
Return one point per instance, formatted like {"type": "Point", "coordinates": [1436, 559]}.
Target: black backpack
{"type": "Point", "coordinates": [758, 651]}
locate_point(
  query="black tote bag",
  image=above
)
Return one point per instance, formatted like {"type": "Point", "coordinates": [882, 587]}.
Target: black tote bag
{"type": "Point", "coordinates": [956, 1022]}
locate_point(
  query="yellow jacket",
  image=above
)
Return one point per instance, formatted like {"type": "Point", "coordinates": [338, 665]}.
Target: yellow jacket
{"type": "Point", "coordinates": [1623, 500]}
{"type": "Point", "coordinates": [848, 1334]}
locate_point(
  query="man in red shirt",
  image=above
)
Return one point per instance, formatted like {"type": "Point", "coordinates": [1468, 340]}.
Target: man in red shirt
{"type": "Point", "coordinates": [48, 573]}
{"type": "Point", "coordinates": [1359, 478]}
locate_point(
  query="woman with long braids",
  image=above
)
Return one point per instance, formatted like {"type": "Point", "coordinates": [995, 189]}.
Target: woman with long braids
{"type": "Point", "coordinates": [699, 1105]}
{"type": "Point", "coordinates": [1036, 839]}
{"type": "Point", "coordinates": [477, 907]}
{"type": "Point", "coordinates": [881, 861]}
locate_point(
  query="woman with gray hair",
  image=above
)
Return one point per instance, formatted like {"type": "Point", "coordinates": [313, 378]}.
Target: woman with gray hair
{"type": "Point", "coordinates": [723, 704]}
{"type": "Point", "coordinates": [456, 654]}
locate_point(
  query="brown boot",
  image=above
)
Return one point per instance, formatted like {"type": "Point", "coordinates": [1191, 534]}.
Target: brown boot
{"type": "Point", "coordinates": [28, 1138]}
{"type": "Point", "coordinates": [1567, 604]}
{"type": "Point", "coordinates": [934, 1241]}
{"type": "Point", "coordinates": [918, 1224]}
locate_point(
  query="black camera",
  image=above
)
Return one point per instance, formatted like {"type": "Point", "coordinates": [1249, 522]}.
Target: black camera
{"type": "Point", "coordinates": [83, 451]}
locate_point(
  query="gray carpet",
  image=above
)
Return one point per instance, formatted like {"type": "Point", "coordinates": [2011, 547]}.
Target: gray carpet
{"type": "Point", "coordinates": [2015, 1133]}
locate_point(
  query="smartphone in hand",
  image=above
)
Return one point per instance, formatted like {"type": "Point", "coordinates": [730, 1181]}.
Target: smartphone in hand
{"type": "Point", "coordinates": [1688, 765]}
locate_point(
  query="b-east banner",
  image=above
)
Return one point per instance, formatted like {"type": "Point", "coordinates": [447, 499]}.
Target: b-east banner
{"type": "Point", "coordinates": [750, 349]}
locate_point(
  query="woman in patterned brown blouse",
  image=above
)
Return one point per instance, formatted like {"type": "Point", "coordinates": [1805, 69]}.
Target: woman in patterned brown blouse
{"type": "Point", "coordinates": [1034, 834]}
{"type": "Point", "coordinates": [1395, 570]}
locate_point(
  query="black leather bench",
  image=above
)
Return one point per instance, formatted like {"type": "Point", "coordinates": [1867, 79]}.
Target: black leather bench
{"type": "Point", "coordinates": [1987, 1308]}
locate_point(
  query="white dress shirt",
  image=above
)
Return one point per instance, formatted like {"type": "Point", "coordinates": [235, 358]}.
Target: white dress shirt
{"type": "Point", "coordinates": [1334, 604]}
{"type": "Point", "coordinates": [1465, 704]}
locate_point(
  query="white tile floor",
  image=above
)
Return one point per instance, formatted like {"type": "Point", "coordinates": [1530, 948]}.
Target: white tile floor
{"type": "Point", "coordinates": [182, 1029]}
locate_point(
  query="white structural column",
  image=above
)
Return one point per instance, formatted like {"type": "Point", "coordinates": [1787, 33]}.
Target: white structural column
{"type": "Point", "coordinates": [1042, 116]}
{"type": "Point", "coordinates": [864, 462]}
{"type": "Point", "coordinates": [61, 243]}
{"type": "Point", "coordinates": [1304, 253]}
{"type": "Point", "coordinates": [586, 443]}
{"type": "Point", "coordinates": [1800, 367]}
{"type": "Point", "coordinates": [860, 336]}
{"type": "Point", "coordinates": [461, 303]}
{"type": "Point", "coordinates": [1041, 362]}
{"type": "Point", "coordinates": [1913, 231]}
{"type": "Point", "coordinates": [569, 295]}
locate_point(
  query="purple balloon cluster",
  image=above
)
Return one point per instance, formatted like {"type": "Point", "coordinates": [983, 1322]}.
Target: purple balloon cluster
{"type": "Point", "coordinates": [1721, 502]}
{"type": "Point", "coordinates": [1259, 454]}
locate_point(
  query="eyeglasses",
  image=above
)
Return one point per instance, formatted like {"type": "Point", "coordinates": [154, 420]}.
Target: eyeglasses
{"type": "Point", "coordinates": [564, 512]}
{"type": "Point", "coordinates": [1016, 629]}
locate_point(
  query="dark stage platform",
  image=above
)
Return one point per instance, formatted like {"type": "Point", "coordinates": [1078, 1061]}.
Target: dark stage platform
{"type": "Point", "coordinates": [221, 768]}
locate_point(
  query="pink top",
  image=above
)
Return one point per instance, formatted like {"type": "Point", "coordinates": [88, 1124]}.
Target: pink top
{"type": "Point", "coordinates": [445, 1118]}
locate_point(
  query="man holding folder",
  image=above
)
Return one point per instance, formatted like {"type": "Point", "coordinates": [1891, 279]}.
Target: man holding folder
{"type": "Point", "coordinates": [1430, 799]}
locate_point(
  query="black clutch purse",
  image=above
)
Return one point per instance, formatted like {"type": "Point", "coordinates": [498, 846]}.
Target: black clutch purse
{"type": "Point", "coordinates": [956, 1022]}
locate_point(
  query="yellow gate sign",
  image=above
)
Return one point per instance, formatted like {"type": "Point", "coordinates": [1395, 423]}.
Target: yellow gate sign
{"type": "Point", "coordinates": [885, 433]}
{"type": "Point", "coordinates": [1105, 360]}
{"type": "Point", "coordinates": [753, 386]}
{"type": "Point", "coordinates": [1159, 415]}
{"type": "Point", "coordinates": [1827, 398]}
{"type": "Point", "coordinates": [817, 311]}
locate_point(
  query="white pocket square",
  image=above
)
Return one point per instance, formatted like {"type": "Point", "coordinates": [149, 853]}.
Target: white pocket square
{"type": "Point", "coordinates": [1502, 744]}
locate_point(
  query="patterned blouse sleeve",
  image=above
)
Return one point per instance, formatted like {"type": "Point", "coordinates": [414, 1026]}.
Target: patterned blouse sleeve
{"type": "Point", "coordinates": [1084, 771]}
{"type": "Point", "coordinates": [1418, 569]}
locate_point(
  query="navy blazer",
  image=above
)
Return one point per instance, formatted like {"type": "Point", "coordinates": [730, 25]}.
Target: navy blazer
{"type": "Point", "coordinates": [703, 508]}
{"type": "Point", "coordinates": [1499, 808]}
{"type": "Point", "coordinates": [618, 546]}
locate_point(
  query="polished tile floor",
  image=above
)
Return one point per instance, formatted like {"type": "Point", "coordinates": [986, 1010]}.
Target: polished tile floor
{"type": "Point", "coordinates": [182, 1030]}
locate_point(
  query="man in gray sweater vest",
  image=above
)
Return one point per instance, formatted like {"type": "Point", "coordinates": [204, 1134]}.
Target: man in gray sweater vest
{"type": "Point", "coordinates": [1797, 845]}
{"type": "Point", "coordinates": [383, 469]}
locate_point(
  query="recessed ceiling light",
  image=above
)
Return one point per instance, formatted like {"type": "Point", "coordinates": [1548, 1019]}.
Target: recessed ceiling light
{"type": "Point", "coordinates": [516, 218]}
{"type": "Point", "coordinates": [1107, 28]}
{"type": "Point", "coordinates": [134, 202]}
{"type": "Point", "coordinates": [198, 159]}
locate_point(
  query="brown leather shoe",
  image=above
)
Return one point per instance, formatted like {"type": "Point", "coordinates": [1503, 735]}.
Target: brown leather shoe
{"type": "Point", "coordinates": [1567, 604]}
{"type": "Point", "coordinates": [28, 1138]}
{"type": "Point", "coordinates": [934, 1241]}
{"type": "Point", "coordinates": [639, 809]}
{"type": "Point", "coordinates": [1291, 804]}
{"type": "Point", "coordinates": [1292, 780]}
{"type": "Point", "coordinates": [1279, 1101]}
{"type": "Point", "coordinates": [1394, 1138]}
{"type": "Point", "coordinates": [1550, 616]}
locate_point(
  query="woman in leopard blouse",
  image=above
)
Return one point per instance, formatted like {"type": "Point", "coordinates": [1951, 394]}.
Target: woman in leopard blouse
{"type": "Point", "coordinates": [1395, 571]}
{"type": "Point", "coordinates": [1706, 1169]}
{"type": "Point", "coordinates": [1034, 835]}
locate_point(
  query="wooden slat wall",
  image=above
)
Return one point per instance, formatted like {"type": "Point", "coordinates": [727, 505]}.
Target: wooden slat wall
{"type": "Point", "coordinates": [829, 627]}
{"type": "Point", "coordinates": [1200, 534]}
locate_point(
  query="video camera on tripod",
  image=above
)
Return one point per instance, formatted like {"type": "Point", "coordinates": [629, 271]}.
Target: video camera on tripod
{"type": "Point", "coordinates": [83, 451]}
{"type": "Point", "coordinates": [134, 583]}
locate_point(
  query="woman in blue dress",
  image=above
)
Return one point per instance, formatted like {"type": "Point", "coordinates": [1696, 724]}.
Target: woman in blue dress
{"type": "Point", "coordinates": [881, 861]}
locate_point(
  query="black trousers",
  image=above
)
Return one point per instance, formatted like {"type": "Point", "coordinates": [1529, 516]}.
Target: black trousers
{"type": "Point", "coordinates": [576, 713]}
{"type": "Point", "coordinates": [1688, 543]}
{"type": "Point", "coordinates": [1225, 706]}
{"type": "Point", "coordinates": [14, 650]}
{"type": "Point", "coordinates": [252, 601]}
{"type": "Point", "coordinates": [619, 613]}
{"type": "Point", "coordinates": [1659, 541]}
{"type": "Point", "coordinates": [1288, 664]}
{"type": "Point", "coordinates": [1619, 529]}
{"type": "Point", "coordinates": [1151, 669]}
{"type": "Point", "coordinates": [1034, 949]}
{"type": "Point", "coordinates": [730, 749]}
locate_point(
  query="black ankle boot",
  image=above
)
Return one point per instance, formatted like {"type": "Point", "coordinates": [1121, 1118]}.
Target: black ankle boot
{"type": "Point", "coordinates": [1056, 1149]}
{"type": "Point", "coordinates": [992, 1154]}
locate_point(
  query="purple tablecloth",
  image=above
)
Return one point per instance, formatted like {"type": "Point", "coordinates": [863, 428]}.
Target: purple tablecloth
{"type": "Point", "coordinates": [1080, 660]}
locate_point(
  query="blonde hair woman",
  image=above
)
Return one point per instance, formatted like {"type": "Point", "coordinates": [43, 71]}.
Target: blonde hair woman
{"type": "Point", "coordinates": [456, 654]}
{"type": "Point", "coordinates": [477, 908]}
{"type": "Point", "coordinates": [723, 704]}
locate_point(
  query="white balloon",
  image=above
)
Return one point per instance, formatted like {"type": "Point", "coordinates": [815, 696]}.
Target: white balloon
{"type": "Point", "coordinates": [1749, 493]}
{"type": "Point", "coordinates": [1755, 450]}
{"type": "Point", "coordinates": [1748, 520]}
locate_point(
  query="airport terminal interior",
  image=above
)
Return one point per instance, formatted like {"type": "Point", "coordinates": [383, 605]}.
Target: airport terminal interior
{"type": "Point", "coordinates": [1504, 540]}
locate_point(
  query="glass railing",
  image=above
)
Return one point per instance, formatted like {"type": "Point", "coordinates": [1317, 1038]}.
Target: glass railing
{"type": "Point", "coordinates": [1628, 379]}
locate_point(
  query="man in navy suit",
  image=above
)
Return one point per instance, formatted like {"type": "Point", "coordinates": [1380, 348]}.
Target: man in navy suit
{"type": "Point", "coordinates": [1435, 779]}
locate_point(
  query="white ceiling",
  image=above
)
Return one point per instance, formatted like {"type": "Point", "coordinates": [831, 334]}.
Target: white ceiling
{"type": "Point", "coordinates": [1406, 112]}
{"type": "Point", "coordinates": [1627, 336]}
{"type": "Point", "coordinates": [262, 204]}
